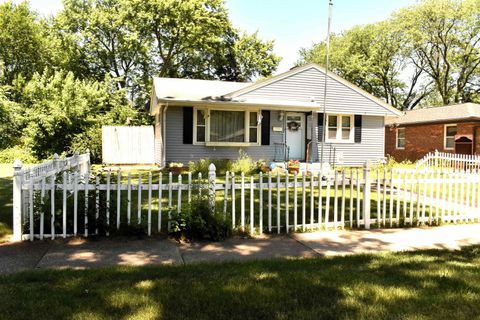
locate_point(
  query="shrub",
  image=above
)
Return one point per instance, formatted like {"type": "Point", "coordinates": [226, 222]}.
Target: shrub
{"type": "Point", "coordinates": [9, 155]}
{"type": "Point", "coordinates": [243, 164]}
{"type": "Point", "coordinates": [221, 165]}
{"type": "Point", "coordinates": [197, 222]}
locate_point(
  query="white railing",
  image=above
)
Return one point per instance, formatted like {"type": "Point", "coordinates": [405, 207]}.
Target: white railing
{"type": "Point", "coordinates": [65, 205]}
{"type": "Point", "coordinates": [458, 162]}
{"type": "Point", "coordinates": [22, 177]}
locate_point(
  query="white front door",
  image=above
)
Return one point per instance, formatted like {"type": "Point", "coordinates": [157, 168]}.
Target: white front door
{"type": "Point", "coordinates": [295, 135]}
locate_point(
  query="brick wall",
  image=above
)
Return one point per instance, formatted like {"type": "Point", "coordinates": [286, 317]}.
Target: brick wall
{"type": "Point", "coordinates": [422, 139]}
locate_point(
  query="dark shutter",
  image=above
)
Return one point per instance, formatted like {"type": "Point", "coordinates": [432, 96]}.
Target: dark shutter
{"type": "Point", "coordinates": [265, 127]}
{"type": "Point", "coordinates": [187, 125]}
{"type": "Point", "coordinates": [358, 128]}
{"type": "Point", "coordinates": [320, 126]}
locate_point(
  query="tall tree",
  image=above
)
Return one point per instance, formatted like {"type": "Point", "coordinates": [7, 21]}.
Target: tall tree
{"type": "Point", "coordinates": [21, 44]}
{"type": "Point", "coordinates": [133, 40]}
{"type": "Point", "coordinates": [373, 58]}
{"type": "Point", "coordinates": [444, 37]}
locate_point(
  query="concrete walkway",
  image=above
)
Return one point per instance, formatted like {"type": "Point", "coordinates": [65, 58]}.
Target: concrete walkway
{"type": "Point", "coordinates": [81, 253]}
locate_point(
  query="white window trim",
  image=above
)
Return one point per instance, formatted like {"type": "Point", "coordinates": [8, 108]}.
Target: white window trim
{"type": "Point", "coordinates": [445, 136]}
{"type": "Point", "coordinates": [209, 143]}
{"type": "Point", "coordinates": [404, 139]}
{"type": "Point", "coordinates": [338, 138]}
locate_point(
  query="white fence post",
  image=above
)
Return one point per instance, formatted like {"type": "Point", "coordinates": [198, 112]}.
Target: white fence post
{"type": "Point", "coordinates": [366, 196]}
{"type": "Point", "coordinates": [212, 176]}
{"type": "Point", "coordinates": [17, 200]}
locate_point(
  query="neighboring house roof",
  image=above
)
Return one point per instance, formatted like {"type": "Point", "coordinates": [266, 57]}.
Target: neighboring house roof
{"type": "Point", "coordinates": [452, 113]}
{"type": "Point", "coordinates": [188, 91]}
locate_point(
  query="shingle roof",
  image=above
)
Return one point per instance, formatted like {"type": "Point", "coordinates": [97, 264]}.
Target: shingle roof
{"type": "Point", "coordinates": [457, 112]}
{"type": "Point", "coordinates": [192, 89]}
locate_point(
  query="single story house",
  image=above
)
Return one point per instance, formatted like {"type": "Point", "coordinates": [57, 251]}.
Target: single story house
{"type": "Point", "coordinates": [453, 129]}
{"type": "Point", "coordinates": [276, 119]}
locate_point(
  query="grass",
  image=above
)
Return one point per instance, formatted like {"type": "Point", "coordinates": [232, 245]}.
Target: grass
{"type": "Point", "coordinates": [414, 285]}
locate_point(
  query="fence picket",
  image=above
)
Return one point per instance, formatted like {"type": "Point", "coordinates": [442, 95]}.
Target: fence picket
{"type": "Point", "coordinates": [149, 217]}
{"type": "Point", "coordinates": [64, 207]}
{"type": "Point", "coordinates": [52, 207]}
{"type": "Point", "coordinates": [170, 191]}
{"type": "Point", "coordinates": [335, 202]}
{"type": "Point", "coordinates": [342, 212]}
{"type": "Point", "coordinates": [287, 228]}
{"type": "Point", "coordinates": [242, 201]}
{"type": "Point", "coordinates": [139, 199]}
{"type": "Point", "coordinates": [108, 203]}
{"type": "Point", "coordinates": [129, 198]}
{"type": "Point", "coordinates": [358, 200]}
{"type": "Point", "coordinates": [75, 203]}
{"type": "Point", "coordinates": [119, 200]}
{"type": "Point", "coordinates": [269, 201]}
{"type": "Point", "coordinates": [97, 200]}
{"type": "Point", "coordinates": [278, 203]}
{"type": "Point", "coordinates": [225, 192]}
{"type": "Point", "coordinates": [30, 208]}
{"type": "Point", "coordinates": [392, 196]}
{"type": "Point", "coordinates": [312, 200]}
{"type": "Point", "coordinates": [233, 202]}
{"type": "Point", "coordinates": [295, 210]}
{"type": "Point", "coordinates": [260, 203]}
{"type": "Point", "coordinates": [351, 199]}
{"type": "Point", "coordinates": [42, 203]}
{"type": "Point", "coordinates": [85, 219]}
{"type": "Point", "coordinates": [252, 201]}
{"type": "Point", "coordinates": [304, 195]}
{"type": "Point", "coordinates": [160, 191]}
{"type": "Point", "coordinates": [327, 205]}
{"type": "Point", "coordinates": [320, 200]}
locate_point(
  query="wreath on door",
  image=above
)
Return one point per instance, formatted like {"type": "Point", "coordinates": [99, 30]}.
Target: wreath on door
{"type": "Point", "coordinates": [293, 125]}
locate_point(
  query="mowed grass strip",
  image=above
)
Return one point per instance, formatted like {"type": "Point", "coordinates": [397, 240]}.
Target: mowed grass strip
{"type": "Point", "coordinates": [415, 285]}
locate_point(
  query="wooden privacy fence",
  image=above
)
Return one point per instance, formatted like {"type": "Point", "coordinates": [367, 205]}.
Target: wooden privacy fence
{"type": "Point", "coordinates": [67, 204]}
{"type": "Point", "coordinates": [457, 162]}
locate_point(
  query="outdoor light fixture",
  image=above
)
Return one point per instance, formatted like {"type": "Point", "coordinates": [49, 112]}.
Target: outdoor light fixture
{"type": "Point", "coordinates": [259, 119]}
{"type": "Point", "coordinates": [281, 115]}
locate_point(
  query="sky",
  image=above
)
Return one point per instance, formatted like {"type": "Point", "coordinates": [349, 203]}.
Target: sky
{"type": "Point", "coordinates": [293, 24]}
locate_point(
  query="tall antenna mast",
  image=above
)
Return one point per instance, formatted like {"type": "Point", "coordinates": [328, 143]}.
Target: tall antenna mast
{"type": "Point", "coordinates": [324, 130]}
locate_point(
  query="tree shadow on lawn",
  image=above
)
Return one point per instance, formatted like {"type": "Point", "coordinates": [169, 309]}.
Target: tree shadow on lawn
{"type": "Point", "coordinates": [426, 284]}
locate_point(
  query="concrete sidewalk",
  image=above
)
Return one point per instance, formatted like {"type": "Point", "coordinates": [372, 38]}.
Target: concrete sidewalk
{"type": "Point", "coordinates": [90, 253]}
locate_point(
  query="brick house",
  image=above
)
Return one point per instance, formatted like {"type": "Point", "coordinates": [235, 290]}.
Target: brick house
{"type": "Point", "coordinates": [454, 129]}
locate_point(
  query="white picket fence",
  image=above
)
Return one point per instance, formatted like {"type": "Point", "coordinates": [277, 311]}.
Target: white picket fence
{"type": "Point", "coordinates": [457, 162]}
{"type": "Point", "coordinates": [69, 204]}
{"type": "Point", "coordinates": [31, 176]}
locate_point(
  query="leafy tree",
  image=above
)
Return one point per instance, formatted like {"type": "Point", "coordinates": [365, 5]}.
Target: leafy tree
{"type": "Point", "coordinates": [425, 54]}
{"type": "Point", "coordinates": [21, 44]}
{"type": "Point", "coordinates": [133, 40]}
{"type": "Point", "coordinates": [444, 38]}
{"type": "Point", "coordinates": [65, 113]}
{"type": "Point", "coordinates": [373, 57]}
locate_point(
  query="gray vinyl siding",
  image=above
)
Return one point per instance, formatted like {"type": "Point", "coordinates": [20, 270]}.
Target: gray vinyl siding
{"type": "Point", "coordinates": [356, 154]}
{"type": "Point", "coordinates": [176, 151]}
{"type": "Point", "coordinates": [309, 84]}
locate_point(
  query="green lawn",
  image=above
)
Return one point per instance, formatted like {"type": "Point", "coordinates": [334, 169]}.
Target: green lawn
{"type": "Point", "coordinates": [416, 285]}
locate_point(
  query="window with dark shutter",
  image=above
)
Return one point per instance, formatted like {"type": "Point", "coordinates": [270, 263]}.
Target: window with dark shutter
{"type": "Point", "coordinates": [358, 128]}
{"type": "Point", "coordinates": [187, 125]}
{"type": "Point", "coordinates": [320, 126]}
{"type": "Point", "coordinates": [265, 127]}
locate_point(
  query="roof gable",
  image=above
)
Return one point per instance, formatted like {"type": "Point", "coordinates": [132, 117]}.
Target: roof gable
{"type": "Point", "coordinates": [307, 83]}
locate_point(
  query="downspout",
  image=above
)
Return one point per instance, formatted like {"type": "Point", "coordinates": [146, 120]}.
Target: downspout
{"type": "Point", "coordinates": [164, 140]}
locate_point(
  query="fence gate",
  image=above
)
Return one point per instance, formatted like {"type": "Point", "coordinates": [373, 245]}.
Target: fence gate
{"type": "Point", "coordinates": [128, 145]}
